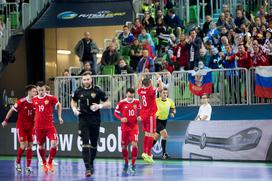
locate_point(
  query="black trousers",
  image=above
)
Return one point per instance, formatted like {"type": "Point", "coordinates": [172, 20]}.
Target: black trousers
{"type": "Point", "coordinates": [88, 129]}
{"type": "Point", "coordinates": [89, 132]}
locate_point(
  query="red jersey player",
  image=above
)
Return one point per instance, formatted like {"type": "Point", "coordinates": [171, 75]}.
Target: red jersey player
{"type": "Point", "coordinates": [24, 125]}
{"type": "Point", "coordinates": [126, 111]}
{"type": "Point", "coordinates": [148, 111]}
{"type": "Point", "coordinates": [44, 125]}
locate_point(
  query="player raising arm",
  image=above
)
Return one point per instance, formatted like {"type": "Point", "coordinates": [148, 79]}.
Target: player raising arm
{"type": "Point", "coordinates": [147, 94]}
{"type": "Point", "coordinates": [24, 126]}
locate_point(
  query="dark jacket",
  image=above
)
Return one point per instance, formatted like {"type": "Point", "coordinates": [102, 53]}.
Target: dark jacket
{"type": "Point", "coordinates": [79, 49]}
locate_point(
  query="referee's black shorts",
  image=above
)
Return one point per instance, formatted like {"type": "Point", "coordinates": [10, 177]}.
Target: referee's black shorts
{"type": "Point", "coordinates": [161, 125]}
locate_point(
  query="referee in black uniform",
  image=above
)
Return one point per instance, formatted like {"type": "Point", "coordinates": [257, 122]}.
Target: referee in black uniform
{"type": "Point", "coordinates": [87, 98]}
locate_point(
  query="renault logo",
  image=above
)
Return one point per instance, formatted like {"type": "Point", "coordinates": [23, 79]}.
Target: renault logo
{"type": "Point", "coordinates": [67, 15]}
{"type": "Point", "coordinates": [203, 141]}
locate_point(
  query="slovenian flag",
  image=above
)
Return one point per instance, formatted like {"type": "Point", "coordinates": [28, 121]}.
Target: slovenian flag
{"type": "Point", "coordinates": [263, 86]}
{"type": "Point", "coordinates": [200, 82]}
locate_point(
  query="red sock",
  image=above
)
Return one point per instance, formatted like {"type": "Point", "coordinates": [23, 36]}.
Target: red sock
{"type": "Point", "coordinates": [125, 154]}
{"type": "Point", "coordinates": [134, 154]}
{"type": "Point", "coordinates": [52, 154]}
{"type": "Point", "coordinates": [145, 147]}
{"type": "Point", "coordinates": [42, 154]}
{"type": "Point", "coordinates": [20, 152]}
{"type": "Point", "coordinates": [29, 154]}
{"type": "Point", "coordinates": [150, 145]}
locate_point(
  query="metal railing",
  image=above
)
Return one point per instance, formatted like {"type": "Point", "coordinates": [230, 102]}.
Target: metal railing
{"type": "Point", "coordinates": [230, 87]}
{"type": "Point", "coordinates": [31, 10]}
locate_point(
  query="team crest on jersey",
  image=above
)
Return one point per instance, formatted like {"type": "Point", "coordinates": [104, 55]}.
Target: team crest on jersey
{"type": "Point", "coordinates": [46, 102]}
{"type": "Point", "coordinates": [25, 107]}
{"type": "Point", "coordinates": [134, 106]}
{"type": "Point", "coordinates": [36, 102]}
{"type": "Point", "coordinates": [81, 95]}
{"type": "Point", "coordinates": [93, 95]}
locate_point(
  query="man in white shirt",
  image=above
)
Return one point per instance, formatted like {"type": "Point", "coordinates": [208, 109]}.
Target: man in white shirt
{"type": "Point", "coordinates": [205, 110]}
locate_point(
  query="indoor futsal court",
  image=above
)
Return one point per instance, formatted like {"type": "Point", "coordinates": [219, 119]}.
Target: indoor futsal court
{"type": "Point", "coordinates": [111, 169]}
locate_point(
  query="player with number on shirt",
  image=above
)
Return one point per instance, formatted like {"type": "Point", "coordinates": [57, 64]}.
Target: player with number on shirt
{"type": "Point", "coordinates": [44, 125]}
{"type": "Point", "coordinates": [24, 126]}
{"type": "Point", "coordinates": [127, 111]}
{"type": "Point", "coordinates": [148, 111]}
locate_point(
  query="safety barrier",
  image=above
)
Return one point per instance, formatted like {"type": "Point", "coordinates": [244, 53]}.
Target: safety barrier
{"type": "Point", "coordinates": [229, 87]}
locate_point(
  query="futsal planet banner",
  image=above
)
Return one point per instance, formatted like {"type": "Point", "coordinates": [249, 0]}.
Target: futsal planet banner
{"type": "Point", "coordinates": [213, 140]}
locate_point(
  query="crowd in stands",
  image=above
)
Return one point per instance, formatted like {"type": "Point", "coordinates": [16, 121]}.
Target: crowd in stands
{"type": "Point", "coordinates": [157, 42]}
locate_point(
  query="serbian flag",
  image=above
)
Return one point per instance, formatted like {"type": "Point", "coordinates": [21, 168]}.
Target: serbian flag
{"type": "Point", "coordinates": [263, 87]}
{"type": "Point", "coordinates": [200, 82]}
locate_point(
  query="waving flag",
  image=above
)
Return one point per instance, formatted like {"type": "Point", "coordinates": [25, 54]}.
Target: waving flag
{"type": "Point", "coordinates": [200, 82]}
{"type": "Point", "coordinates": [263, 87]}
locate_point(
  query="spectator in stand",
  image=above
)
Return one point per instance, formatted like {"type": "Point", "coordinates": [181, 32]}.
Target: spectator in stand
{"type": "Point", "coordinates": [136, 53]}
{"type": "Point", "coordinates": [146, 63]}
{"type": "Point", "coordinates": [181, 51]}
{"type": "Point", "coordinates": [257, 24]}
{"type": "Point", "coordinates": [159, 15]}
{"type": "Point", "coordinates": [232, 76]}
{"type": "Point", "coordinates": [173, 21]}
{"type": "Point", "coordinates": [214, 32]}
{"type": "Point", "coordinates": [87, 67]}
{"type": "Point", "coordinates": [221, 20]}
{"type": "Point", "coordinates": [195, 44]}
{"type": "Point", "coordinates": [206, 25]}
{"type": "Point", "coordinates": [240, 19]}
{"type": "Point", "coordinates": [242, 57]}
{"type": "Point", "coordinates": [125, 39]}
{"type": "Point", "coordinates": [269, 16]}
{"type": "Point", "coordinates": [147, 43]}
{"type": "Point", "coordinates": [122, 67]}
{"type": "Point", "coordinates": [205, 56]}
{"type": "Point", "coordinates": [215, 59]}
{"type": "Point", "coordinates": [137, 28]}
{"type": "Point", "coordinates": [171, 60]}
{"type": "Point", "coordinates": [258, 56]}
{"type": "Point", "coordinates": [110, 56]}
{"type": "Point", "coordinates": [261, 12]}
{"type": "Point", "coordinates": [148, 22]}
{"type": "Point", "coordinates": [229, 24]}
{"type": "Point", "coordinates": [86, 49]}
{"type": "Point", "coordinates": [145, 6]}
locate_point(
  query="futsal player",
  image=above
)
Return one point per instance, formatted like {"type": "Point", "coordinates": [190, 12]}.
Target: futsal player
{"type": "Point", "coordinates": [47, 91]}
{"type": "Point", "coordinates": [88, 99]}
{"type": "Point", "coordinates": [44, 125]}
{"type": "Point", "coordinates": [24, 126]}
{"type": "Point", "coordinates": [165, 106]}
{"type": "Point", "coordinates": [147, 94]}
{"type": "Point", "coordinates": [127, 112]}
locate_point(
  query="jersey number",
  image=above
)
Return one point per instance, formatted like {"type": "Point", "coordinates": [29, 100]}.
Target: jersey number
{"type": "Point", "coordinates": [41, 108]}
{"type": "Point", "coordinates": [29, 112]}
{"type": "Point", "coordinates": [144, 100]}
{"type": "Point", "coordinates": [131, 112]}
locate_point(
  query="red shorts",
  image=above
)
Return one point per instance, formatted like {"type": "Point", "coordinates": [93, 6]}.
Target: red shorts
{"type": "Point", "coordinates": [148, 123]}
{"type": "Point", "coordinates": [129, 136]}
{"type": "Point", "coordinates": [25, 135]}
{"type": "Point", "coordinates": [50, 133]}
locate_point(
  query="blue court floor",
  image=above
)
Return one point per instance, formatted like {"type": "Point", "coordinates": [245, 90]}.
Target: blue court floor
{"type": "Point", "coordinates": [111, 169]}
